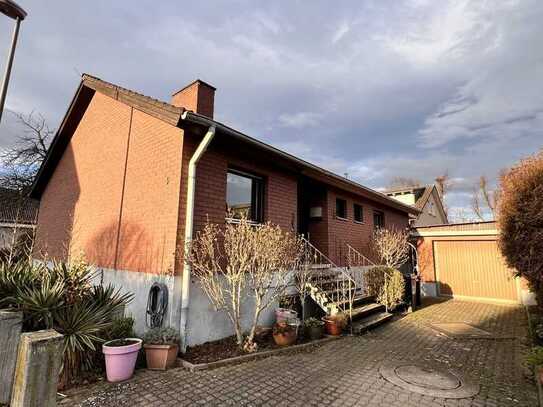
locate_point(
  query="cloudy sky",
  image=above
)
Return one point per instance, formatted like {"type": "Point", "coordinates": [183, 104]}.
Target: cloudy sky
{"type": "Point", "coordinates": [374, 89]}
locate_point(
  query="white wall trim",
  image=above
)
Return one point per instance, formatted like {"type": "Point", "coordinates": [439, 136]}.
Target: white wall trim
{"type": "Point", "coordinates": [449, 233]}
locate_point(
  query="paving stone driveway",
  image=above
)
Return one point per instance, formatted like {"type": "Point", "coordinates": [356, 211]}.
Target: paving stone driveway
{"type": "Point", "coordinates": [345, 372]}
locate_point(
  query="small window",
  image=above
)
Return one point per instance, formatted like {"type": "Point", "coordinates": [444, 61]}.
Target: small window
{"type": "Point", "coordinates": [358, 214]}
{"type": "Point", "coordinates": [244, 196]}
{"type": "Point", "coordinates": [341, 208]}
{"type": "Point", "coordinates": [378, 219]}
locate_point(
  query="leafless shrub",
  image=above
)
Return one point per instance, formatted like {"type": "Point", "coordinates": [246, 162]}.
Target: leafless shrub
{"type": "Point", "coordinates": [242, 264]}
{"type": "Point", "coordinates": [391, 246]}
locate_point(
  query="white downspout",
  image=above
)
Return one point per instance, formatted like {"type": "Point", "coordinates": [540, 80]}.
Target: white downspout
{"type": "Point", "coordinates": [189, 222]}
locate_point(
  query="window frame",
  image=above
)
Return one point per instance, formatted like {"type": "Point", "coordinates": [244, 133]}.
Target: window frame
{"type": "Point", "coordinates": [355, 206]}
{"type": "Point", "coordinates": [382, 214]}
{"type": "Point", "coordinates": [257, 195]}
{"type": "Point", "coordinates": [344, 201]}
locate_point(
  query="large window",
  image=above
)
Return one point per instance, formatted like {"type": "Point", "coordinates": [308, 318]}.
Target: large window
{"type": "Point", "coordinates": [244, 196]}
{"type": "Point", "coordinates": [378, 219]}
{"type": "Point", "coordinates": [341, 208]}
{"type": "Point", "coordinates": [358, 214]}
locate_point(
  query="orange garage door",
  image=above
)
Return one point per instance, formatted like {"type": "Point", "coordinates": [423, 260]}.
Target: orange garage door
{"type": "Point", "coordinates": [473, 268]}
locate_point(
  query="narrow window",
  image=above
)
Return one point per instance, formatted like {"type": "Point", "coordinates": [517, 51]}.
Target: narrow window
{"type": "Point", "coordinates": [244, 196]}
{"type": "Point", "coordinates": [358, 213]}
{"type": "Point", "coordinates": [341, 208]}
{"type": "Point", "coordinates": [378, 219]}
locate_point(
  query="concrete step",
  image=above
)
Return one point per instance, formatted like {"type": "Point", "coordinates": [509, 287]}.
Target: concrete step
{"type": "Point", "coordinates": [359, 299]}
{"type": "Point", "coordinates": [372, 321]}
{"type": "Point", "coordinates": [367, 310]}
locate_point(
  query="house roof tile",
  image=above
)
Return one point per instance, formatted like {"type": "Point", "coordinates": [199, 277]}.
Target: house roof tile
{"type": "Point", "coordinates": [174, 115]}
{"type": "Point", "coordinates": [17, 209]}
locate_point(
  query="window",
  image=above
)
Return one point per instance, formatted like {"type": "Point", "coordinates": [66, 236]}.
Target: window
{"type": "Point", "coordinates": [244, 196]}
{"type": "Point", "coordinates": [378, 219]}
{"type": "Point", "coordinates": [341, 208]}
{"type": "Point", "coordinates": [358, 213]}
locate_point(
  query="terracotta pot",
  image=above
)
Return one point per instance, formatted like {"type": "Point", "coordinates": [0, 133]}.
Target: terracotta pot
{"type": "Point", "coordinates": [540, 374]}
{"type": "Point", "coordinates": [285, 339]}
{"type": "Point", "coordinates": [333, 326]}
{"type": "Point", "coordinates": [314, 332]}
{"type": "Point", "coordinates": [160, 357]}
{"type": "Point", "coordinates": [121, 360]}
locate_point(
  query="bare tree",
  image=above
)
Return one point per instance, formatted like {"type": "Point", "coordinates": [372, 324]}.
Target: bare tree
{"type": "Point", "coordinates": [484, 200]}
{"type": "Point", "coordinates": [243, 264]}
{"type": "Point", "coordinates": [391, 246]}
{"type": "Point", "coordinates": [404, 182]}
{"type": "Point", "coordinates": [24, 159]}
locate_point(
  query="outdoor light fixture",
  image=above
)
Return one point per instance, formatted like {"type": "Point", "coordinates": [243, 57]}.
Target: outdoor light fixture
{"type": "Point", "coordinates": [12, 10]}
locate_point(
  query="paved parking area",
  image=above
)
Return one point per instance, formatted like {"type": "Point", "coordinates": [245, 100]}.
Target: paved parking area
{"type": "Point", "coordinates": [346, 372]}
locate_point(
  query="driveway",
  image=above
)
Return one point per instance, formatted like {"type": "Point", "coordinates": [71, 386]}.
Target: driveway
{"type": "Point", "coordinates": [346, 372]}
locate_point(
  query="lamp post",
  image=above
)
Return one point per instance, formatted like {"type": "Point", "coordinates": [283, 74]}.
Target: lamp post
{"type": "Point", "coordinates": [12, 10]}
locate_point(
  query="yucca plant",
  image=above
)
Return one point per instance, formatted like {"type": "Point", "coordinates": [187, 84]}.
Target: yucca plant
{"type": "Point", "coordinates": [62, 297]}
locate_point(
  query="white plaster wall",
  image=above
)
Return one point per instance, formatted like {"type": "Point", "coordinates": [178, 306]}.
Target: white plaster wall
{"type": "Point", "coordinates": [139, 284]}
{"type": "Point", "coordinates": [204, 323]}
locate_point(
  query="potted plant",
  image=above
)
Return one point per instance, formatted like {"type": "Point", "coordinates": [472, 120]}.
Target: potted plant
{"type": "Point", "coordinates": [121, 356]}
{"type": "Point", "coordinates": [161, 347]}
{"type": "Point", "coordinates": [334, 324]}
{"type": "Point", "coordinates": [284, 334]}
{"type": "Point", "coordinates": [314, 329]}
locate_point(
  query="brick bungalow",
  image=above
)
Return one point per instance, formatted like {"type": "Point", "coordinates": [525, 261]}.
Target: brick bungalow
{"type": "Point", "coordinates": [116, 187]}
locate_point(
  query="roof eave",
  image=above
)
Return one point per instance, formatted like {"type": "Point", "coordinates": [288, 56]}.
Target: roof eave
{"type": "Point", "coordinates": [378, 196]}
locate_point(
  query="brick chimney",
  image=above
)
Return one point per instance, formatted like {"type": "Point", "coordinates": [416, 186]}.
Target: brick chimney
{"type": "Point", "coordinates": [198, 97]}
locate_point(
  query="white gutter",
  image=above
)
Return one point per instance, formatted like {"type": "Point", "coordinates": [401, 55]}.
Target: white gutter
{"type": "Point", "coordinates": [189, 226]}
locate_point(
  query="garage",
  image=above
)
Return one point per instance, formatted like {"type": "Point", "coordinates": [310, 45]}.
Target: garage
{"type": "Point", "coordinates": [463, 261]}
{"type": "Point", "coordinates": [473, 268]}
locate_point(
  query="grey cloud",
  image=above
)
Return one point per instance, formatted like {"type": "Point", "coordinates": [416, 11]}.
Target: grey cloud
{"type": "Point", "coordinates": [366, 88]}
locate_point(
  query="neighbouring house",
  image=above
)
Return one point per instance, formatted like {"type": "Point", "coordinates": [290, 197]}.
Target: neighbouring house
{"type": "Point", "coordinates": [18, 215]}
{"type": "Point", "coordinates": [428, 199]}
{"type": "Point", "coordinates": [463, 260]}
{"type": "Point", "coordinates": [128, 179]}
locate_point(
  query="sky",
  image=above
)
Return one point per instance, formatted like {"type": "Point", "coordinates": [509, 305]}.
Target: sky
{"type": "Point", "coordinates": [372, 89]}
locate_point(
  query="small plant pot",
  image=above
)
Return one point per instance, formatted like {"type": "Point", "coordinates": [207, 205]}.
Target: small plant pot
{"type": "Point", "coordinates": [160, 357]}
{"type": "Point", "coordinates": [333, 326]}
{"type": "Point", "coordinates": [121, 356]}
{"type": "Point", "coordinates": [285, 339]}
{"type": "Point", "coordinates": [315, 332]}
{"type": "Point", "coordinates": [540, 374]}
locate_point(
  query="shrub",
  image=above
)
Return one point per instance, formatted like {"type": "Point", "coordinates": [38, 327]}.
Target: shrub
{"type": "Point", "coordinates": [120, 328]}
{"type": "Point", "coordinates": [535, 357]}
{"type": "Point", "coordinates": [62, 298]}
{"type": "Point", "coordinates": [161, 336]}
{"type": "Point", "coordinates": [386, 284]}
{"type": "Point", "coordinates": [520, 219]}
{"type": "Point", "coordinates": [313, 322]}
{"type": "Point", "coordinates": [391, 246]}
{"type": "Point", "coordinates": [245, 264]}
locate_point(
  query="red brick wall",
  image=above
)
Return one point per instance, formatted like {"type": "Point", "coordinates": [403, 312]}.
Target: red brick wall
{"type": "Point", "coordinates": [280, 201]}
{"type": "Point", "coordinates": [346, 231]}
{"type": "Point", "coordinates": [90, 207]}
{"type": "Point", "coordinates": [198, 97]}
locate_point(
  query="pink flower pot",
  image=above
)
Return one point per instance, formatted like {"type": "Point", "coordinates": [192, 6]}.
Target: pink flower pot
{"type": "Point", "coordinates": [121, 360]}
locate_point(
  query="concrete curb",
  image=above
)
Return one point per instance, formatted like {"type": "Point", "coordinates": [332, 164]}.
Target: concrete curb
{"type": "Point", "coordinates": [252, 356]}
